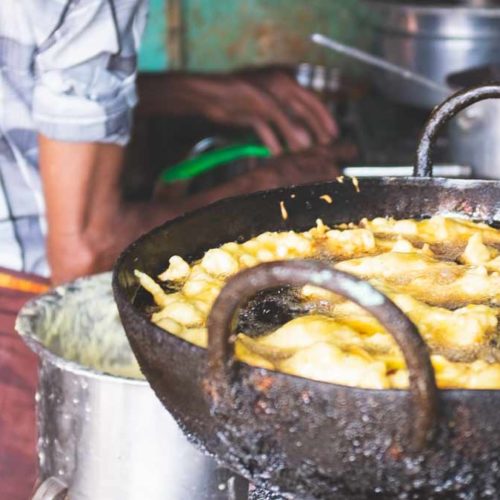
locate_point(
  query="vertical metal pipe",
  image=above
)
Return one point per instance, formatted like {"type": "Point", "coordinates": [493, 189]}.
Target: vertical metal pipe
{"type": "Point", "coordinates": [175, 34]}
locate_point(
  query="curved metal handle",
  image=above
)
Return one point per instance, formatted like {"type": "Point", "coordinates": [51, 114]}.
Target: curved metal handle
{"type": "Point", "coordinates": [441, 115]}
{"type": "Point", "coordinates": [51, 489]}
{"type": "Point", "coordinates": [246, 284]}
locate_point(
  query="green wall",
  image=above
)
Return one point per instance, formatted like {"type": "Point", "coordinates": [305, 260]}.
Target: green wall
{"type": "Point", "coordinates": [153, 55]}
{"type": "Point", "coordinates": [224, 34]}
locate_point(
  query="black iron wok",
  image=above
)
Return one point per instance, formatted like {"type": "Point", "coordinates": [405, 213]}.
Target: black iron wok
{"type": "Point", "coordinates": [308, 438]}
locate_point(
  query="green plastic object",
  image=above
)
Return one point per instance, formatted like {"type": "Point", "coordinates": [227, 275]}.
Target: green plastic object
{"type": "Point", "coordinates": [212, 159]}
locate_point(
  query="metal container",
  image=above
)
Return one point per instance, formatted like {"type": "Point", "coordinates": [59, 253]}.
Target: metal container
{"type": "Point", "coordinates": [433, 39]}
{"type": "Point", "coordinates": [103, 435]}
{"type": "Point", "coordinates": [474, 139]}
{"type": "Point", "coordinates": [473, 134]}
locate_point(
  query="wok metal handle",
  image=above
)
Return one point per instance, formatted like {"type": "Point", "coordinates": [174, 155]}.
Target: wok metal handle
{"type": "Point", "coordinates": [441, 115]}
{"type": "Point", "coordinates": [246, 284]}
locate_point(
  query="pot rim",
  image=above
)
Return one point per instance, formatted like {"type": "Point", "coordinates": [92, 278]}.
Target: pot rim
{"type": "Point", "coordinates": [414, 8]}
{"type": "Point", "coordinates": [24, 327]}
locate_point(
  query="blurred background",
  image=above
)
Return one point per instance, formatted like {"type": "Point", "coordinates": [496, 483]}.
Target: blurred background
{"type": "Point", "coordinates": [448, 43]}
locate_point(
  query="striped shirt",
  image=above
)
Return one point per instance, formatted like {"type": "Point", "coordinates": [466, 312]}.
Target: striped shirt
{"type": "Point", "coordinates": [67, 70]}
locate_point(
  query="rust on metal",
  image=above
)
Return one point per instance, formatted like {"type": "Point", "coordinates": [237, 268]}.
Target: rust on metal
{"type": "Point", "coordinates": [175, 35]}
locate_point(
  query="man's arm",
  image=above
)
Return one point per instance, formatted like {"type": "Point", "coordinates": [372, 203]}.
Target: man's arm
{"type": "Point", "coordinates": [75, 176]}
{"type": "Point", "coordinates": [82, 101]}
{"type": "Point", "coordinates": [88, 222]}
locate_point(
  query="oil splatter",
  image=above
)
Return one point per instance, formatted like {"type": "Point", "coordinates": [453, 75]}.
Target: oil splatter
{"type": "Point", "coordinates": [284, 213]}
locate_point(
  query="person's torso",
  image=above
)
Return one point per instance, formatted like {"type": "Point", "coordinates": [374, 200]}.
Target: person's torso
{"type": "Point", "coordinates": [22, 223]}
{"type": "Point", "coordinates": [67, 70]}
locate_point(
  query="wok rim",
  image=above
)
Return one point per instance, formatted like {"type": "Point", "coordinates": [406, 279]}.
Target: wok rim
{"type": "Point", "coordinates": [124, 302]}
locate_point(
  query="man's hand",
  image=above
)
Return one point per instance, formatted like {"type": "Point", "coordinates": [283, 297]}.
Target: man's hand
{"type": "Point", "coordinates": [302, 105]}
{"type": "Point", "coordinates": [269, 101]}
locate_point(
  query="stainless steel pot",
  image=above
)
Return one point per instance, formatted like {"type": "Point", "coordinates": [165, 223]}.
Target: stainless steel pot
{"type": "Point", "coordinates": [433, 39]}
{"type": "Point", "coordinates": [102, 433]}
{"type": "Point", "coordinates": [474, 133]}
{"type": "Point", "coordinates": [474, 139]}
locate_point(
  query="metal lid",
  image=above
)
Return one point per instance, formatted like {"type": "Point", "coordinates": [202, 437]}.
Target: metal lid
{"type": "Point", "coordinates": [436, 19]}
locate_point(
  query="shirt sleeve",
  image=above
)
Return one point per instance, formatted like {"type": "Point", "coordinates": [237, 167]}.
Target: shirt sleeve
{"type": "Point", "coordinates": [85, 68]}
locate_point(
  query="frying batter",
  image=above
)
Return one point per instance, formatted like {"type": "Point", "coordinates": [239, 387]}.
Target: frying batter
{"type": "Point", "coordinates": [442, 273]}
